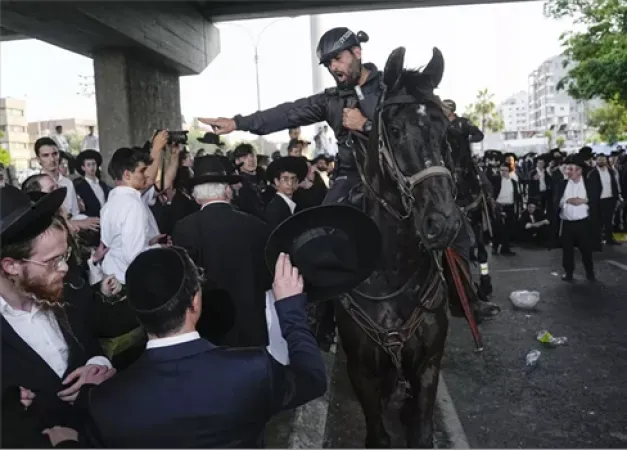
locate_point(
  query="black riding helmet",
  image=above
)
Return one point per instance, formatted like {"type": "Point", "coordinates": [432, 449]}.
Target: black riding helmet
{"type": "Point", "coordinates": [450, 104]}
{"type": "Point", "coordinates": [337, 40]}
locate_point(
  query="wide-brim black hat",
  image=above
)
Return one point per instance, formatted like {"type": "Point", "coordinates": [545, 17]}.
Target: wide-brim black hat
{"type": "Point", "coordinates": [335, 248]}
{"type": "Point", "coordinates": [586, 152]}
{"type": "Point", "coordinates": [211, 138]}
{"type": "Point", "coordinates": [292, 164]}
{"type": "Point", "coordinates": [211, 169]}
{"type": "Point", "coordinates": [21, 218]}
{"type": "Point", "coordinates": [577, 159]}
{"type": "Point", "coordinates": [511, 155]}
{"type": "Point", "coordinates": [85, 155]}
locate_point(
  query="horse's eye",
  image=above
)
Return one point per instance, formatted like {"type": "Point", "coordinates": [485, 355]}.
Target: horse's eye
{"type": "Point", "coordinates": [395, 132]}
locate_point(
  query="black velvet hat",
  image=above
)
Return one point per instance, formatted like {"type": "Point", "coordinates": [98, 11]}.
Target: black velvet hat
{"type": "Point", "coordinates": [155, 277]}
{"type": "Point", "coordinates": [335, 247]}
{"type": "Point", "coordinates": [211, 138]}
{"type": "Point", "coordinates": [85, 155]}
{"type": "Point", "coordinates": [586, 152]}
{"type": "Point", "coordinates": [21, 218]}
{"type": "Point", "coordinates": [511, 155]}
{"type": "Point", "coordinates": [493, 154]}
{"type": "Point", "coordinates": [211, 169]}
{"type": "Point", "coordinates": [578, 160]}
{"type": "Point", "coordinates": [292, 164]}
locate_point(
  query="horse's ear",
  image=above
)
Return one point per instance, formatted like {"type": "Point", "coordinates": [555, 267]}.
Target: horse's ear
{"type": "Point", "coordinates": [435, 68]}
{"type": "Point", "coordinates": [394, 68]}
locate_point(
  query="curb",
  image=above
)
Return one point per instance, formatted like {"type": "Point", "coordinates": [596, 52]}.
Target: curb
{"type": "Point", "coordinates": [447, 417]}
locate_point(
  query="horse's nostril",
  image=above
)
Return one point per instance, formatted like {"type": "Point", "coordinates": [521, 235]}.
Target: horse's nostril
{"type": "Point", "coordinates": [433, 227]}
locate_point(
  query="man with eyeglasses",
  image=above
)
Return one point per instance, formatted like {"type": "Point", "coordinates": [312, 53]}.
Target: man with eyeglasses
{"type": "Point", "coordinates": [284, 174]}
{"type": "Point", "coordinates": [48, 348]}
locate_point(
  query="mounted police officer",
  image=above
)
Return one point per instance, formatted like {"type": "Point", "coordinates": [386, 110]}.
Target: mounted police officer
{"type": "Point", "coordinates": [350, 106]}
{"type": "Point", "coordinates": [339, 50]}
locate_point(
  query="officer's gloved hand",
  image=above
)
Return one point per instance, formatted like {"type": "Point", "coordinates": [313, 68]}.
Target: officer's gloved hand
{"type": "Point", "coordinates": [356, 197]}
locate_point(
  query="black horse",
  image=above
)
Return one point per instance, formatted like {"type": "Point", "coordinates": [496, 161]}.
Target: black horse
{"type": "Point", "coordinates": [394, 325]}
{"type": "Point", "coordinates": [474, 197]}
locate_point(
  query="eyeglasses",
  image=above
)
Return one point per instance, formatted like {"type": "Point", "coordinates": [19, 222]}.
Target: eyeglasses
{"type": "Point", "coordinates": [55, 263]}
{"type": "Point", "coordinates": [289, 180]}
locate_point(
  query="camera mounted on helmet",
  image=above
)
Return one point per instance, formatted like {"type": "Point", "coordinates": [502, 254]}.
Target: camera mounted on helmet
{"type": "Point", "coordinates": [336, 40]}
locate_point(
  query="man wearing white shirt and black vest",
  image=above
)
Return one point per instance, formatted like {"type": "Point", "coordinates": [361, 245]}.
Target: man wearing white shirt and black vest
{"type": "Point", "coordinates": [90, 188]}
{"type": "Point", "coordinates": [605, 177]}
{"type": "Point", "coordinates": [508, 201]}
{"type": "Point", "coordinates": [577, 201]}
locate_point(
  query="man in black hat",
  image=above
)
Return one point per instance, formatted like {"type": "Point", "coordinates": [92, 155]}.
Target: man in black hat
{"type": "Point", "coordinates": [285, 174]}
{"type": "Point", "coordinates": [541, 184]}
{"type": "Point", "coordinates": [606, 179]}
{"type": "Point", "coordinates": [228, 244]}
{"type": "Point", "coordinates": [89, 187]}
{"type": "Point", "coordinates": [187, 392]}
{"type": "Point", "coordinates": [577, 210]}
{"type": "Point", "coordinates": [508, 202]}
{"type": "Point", "coordinates": [587, 155]}
{"type": "Point", "coordinates": [48, 347]}
{"type": "Point", "coordinates": [213, 142]}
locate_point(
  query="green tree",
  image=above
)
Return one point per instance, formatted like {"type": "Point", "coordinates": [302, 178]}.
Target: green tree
{"type": "Point", "coordinates": [610, 121]}
{"type": "Point", "coordinates": [599, 51]}
{"type": "Point", "coordinates": [549, 136]}
{"type": "Point", "coordinates": [560, 141]}
{"type": "Point", "coordinates": [74, 141]}
{"type": "Point", "coordinates": [483, 113]}
{"type": "Point", "coordinates": [5, 156]}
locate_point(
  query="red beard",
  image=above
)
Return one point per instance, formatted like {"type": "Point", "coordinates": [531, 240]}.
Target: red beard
{"type": "Point", "coordinates": [48, 294]}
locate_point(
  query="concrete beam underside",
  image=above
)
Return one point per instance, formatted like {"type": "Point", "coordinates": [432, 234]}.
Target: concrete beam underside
{"type": "Point", "coordinates": [133, 99]}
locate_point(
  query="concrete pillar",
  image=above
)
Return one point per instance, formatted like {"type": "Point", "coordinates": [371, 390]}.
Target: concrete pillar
{"type": "Point", "coordinates": [133, 98]}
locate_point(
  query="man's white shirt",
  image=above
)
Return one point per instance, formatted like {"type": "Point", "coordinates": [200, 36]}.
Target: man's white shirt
{"type": "Point", "coordinates": [126, 227]}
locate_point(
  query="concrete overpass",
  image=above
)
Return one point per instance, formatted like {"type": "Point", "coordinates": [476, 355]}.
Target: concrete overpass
{"type": "Point", "coordinates": [141, 48]}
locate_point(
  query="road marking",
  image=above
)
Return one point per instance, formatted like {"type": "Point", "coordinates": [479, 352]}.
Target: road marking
{"type": "Point", "coordinates": [310, 420]}
{"type": "Point", "coordinates": [616, 264]}
{"type": "Point", "coordinates": [449, 418]}
{"type": "Point", "coordinates": [527, 269]}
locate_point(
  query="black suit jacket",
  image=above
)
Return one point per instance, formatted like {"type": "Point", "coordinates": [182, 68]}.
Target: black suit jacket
{"type": "Point", "coordinates": [86, 193]}
{"type": "Point", "coordinates": [197, 395]}
{"type": "Point", "coordinates": [230, 246]}
{"type": "Point", "coordinates": [534, 185]}
{"type": "Point", "coordinates": [22, 366]}
{"type": "Point", "coordinates": [277, 211]}
{"type": "Point", "coordinates": [595, 177]}
{"type": "Point", "coordinates": [496, 189]}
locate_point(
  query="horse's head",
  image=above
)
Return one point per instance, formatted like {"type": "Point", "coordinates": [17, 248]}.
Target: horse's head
{"type": "Point", "coordinates": [413, 150]}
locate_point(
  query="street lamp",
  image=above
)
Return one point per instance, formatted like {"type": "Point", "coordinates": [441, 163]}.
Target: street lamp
{"type": "Point", "coordinates": [255, 40]}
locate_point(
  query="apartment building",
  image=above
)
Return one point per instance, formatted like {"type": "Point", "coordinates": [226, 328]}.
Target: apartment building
{"type": "Point", "coordinates": [554, 110]}
{"type": "Point", "coordinates": [514, 111]}
{"type": "Point", "coordinates": [14, 129]}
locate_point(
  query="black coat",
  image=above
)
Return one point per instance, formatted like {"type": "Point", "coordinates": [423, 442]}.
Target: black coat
{"type": "Point", "coordinates": [595, 177]}
{"type": "Point", "coordinates": [276, 212]}
{"type": "Point", "coordinates": [534, 185]}
{"type": "Point", "coordinates": [86, 193]}
{"type": "Point", "coordinates": [230, 246]}
{"type": "Point", "coordinates": [496, 190]}
{"type": "Point", "coordinates": [22, 366]}
{"type": "Point", "coordinates": [180, 207]}
{"type": "Point", "coordinates": [197, 395]}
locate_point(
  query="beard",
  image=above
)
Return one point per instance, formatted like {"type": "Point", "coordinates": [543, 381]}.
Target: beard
{"type": "Point", "coordinates": [348, 80]}
{"type": "Point", "coordinates": [49, 293]}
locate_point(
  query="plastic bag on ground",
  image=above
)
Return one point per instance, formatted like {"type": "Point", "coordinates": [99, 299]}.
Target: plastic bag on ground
{"type": "Point", "coordinates": [548, 339]}
{"type": "Point", "coordinates": [525, 299]}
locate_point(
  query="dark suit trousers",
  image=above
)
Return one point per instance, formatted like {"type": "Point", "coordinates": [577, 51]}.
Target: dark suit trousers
{"type": "Point", "coordinates": [576, 233]}
{"type": "Point", "coordinates": [607, 207]}
{"type": "Point", "coordinates": [504, 227]}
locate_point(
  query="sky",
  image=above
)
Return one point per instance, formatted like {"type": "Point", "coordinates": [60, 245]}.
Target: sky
{"type": "Point", "coordinates": [492, 46]}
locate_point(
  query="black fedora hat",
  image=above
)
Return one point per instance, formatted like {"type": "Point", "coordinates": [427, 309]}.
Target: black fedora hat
{"type": "Point", "coordinates": [85, 155]}
{"type": "Point", "coordinates": [211, 169]}
{"type": "Point", "coordinates": [292, 164]}
{"type": "Point", "coordinates": [577, 159]}
{"type": "Point", "coordinates": [21, 218]}
{"type": "Point", "coordinates": [211, 138]}
{"type": "Point", "coordinates": [335, 247]}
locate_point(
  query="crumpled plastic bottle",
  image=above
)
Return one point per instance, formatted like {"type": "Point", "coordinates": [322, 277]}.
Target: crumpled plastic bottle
{"type": "Point", "coordinates": [548, 339]}
{"type": "Point", "coordinates": [532, 358]}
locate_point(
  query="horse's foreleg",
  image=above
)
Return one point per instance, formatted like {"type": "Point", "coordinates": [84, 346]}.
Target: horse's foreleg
{"type": "Point", "coordinates": [369, 392]}
{"type": "Point", "coordinates": [419, 414]}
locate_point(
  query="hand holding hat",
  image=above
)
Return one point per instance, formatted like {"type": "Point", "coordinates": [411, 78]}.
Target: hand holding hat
{"type": "Point", "coordinates": [287, 281]}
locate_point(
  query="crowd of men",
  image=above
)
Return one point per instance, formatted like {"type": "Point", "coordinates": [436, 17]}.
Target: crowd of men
{"type": "Point", "coordinates": [96, 274]}
{"type": "Point", "coordinates": [553, 199]}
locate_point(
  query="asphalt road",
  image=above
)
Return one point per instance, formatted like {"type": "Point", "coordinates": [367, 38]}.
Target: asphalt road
{"type": "Point", "coordinates": [573, 398]}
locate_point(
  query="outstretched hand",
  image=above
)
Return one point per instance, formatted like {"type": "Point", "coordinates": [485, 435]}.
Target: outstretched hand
{"type": "Point", "coordinates": [221, 125]}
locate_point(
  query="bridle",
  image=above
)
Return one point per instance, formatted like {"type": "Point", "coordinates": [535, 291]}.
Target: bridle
{"type": "Point", "coordinates": [387, 162]}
